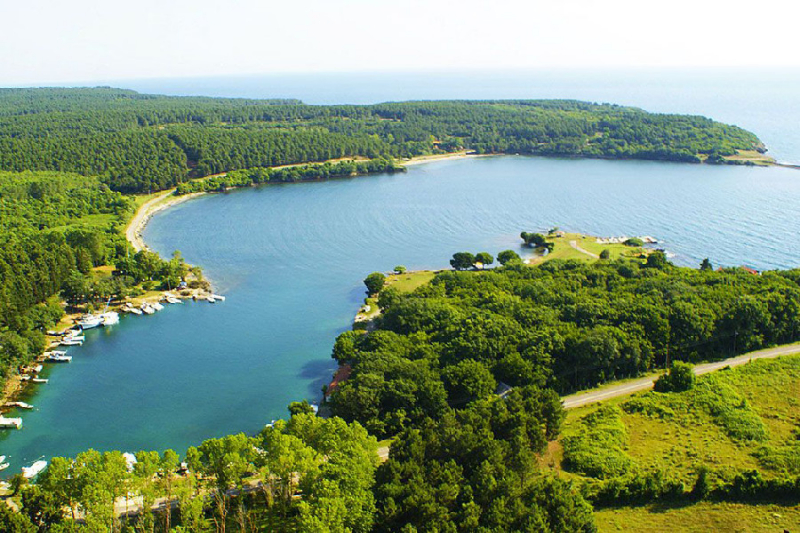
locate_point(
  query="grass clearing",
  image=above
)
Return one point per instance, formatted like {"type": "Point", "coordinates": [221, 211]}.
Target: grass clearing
{"type": "Point", "coordinates": [409, 281]}
{"type": "Point", "coordinates": [700, 517]}
{"type": "Point", "coordinates": [744, 418]}
{"type": "Point", "coordinates": [564, 250]}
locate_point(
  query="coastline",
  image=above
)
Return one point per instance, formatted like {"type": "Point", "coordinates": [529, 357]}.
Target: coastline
{"type": "Point", "coordinates": [134, 229]}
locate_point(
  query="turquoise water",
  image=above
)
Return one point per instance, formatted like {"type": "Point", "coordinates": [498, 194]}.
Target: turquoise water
{"type": "Point", "coordinates": [290, 259]}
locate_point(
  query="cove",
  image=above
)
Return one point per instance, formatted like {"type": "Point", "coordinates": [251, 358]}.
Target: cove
{"type": "Point", "coordinates": [290, 259]}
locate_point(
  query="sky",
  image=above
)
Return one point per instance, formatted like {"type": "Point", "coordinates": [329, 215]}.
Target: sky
{"type": "Point", "coordinates": [57, 41]}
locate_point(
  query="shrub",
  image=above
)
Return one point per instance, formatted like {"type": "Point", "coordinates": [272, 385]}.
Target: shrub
{"type": "Point", "coordinates": [679, 378]}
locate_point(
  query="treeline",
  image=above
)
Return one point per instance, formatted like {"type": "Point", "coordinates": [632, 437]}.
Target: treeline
{"type": "Point", "coordinates": [140, 143]}
{"type": "Point", "coordinates": [566, 325]}
{"type": "Point", "coordinates": [472, 470]}
{"type": "Point", "coordinates": [257, 176]}
{"type": "Point", "coordinates": [55, 228]}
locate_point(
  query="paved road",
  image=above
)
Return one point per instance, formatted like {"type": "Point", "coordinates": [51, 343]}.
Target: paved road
{"type": "Point", "coordinates": [585, 398]}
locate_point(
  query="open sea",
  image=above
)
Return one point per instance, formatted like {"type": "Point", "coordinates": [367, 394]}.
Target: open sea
{"type": "Point", "coordinates": [290, 258]}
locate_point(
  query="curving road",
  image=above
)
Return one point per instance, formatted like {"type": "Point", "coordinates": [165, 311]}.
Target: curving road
{"type": "Point", "coordinates": [584, 398]}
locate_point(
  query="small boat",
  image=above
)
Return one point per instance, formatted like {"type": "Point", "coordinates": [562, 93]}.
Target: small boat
{"type": "Point", "coordinates": [3, 466]}
{"type": "Point", "coordinates": [71, 342]}
{"type": "Point", "coordinates": [36, 369]}
{"type": "Point", "coordinates": [55, 352]}
{"type": "Point", "coordinates": [2, 458]}
{"type": "Point", "coordinates": [21, 405]}
{"type": "Point", "coordinates": [32, 471]}
{"type": "Point", "coordinates": [171, 299]}
{"type": "Point", "coordinates": [128, 308]}
{"type": "Point", "coordinates": [157, 306]}
{"type": "Point", "coordinates": [147, 309]}
{"type": "Point", "coordinates": [130, 460]}
{"type": "Point", "coordinates": [25, 377]}
{"type": "Point", "coordinates": [210, 299]}
{"type": "Point", "coordinates": [218, 297]}
{"type": "Point", "coordinates": [90, 321]}
{"type": "Point", "coordinates": [75, 337]}
{"type": "Point", "coordinates": [9, 423]}
{"type": "Point", "coordinates": [110, 318]}
{"type": "Point", "coordinates": [60, 358]}
{"type": "Point", "coordinates": [39, 380]}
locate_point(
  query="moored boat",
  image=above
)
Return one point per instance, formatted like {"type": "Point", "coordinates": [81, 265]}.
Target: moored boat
{"type": "Point", "coordinates": [110, 318]}
{"type": "Point", "coordinates": [10, 423]}
{"type": "Point", "coordinates": [157, 306]}
{"type": "Point", "coordinates": [218, 297]}
{"type": "Point", "coordinates": [90, 321]}
{"type": "Point", "coordinates": [32, 471]}
{"type": "Point", "coordinates": [71, 342]}
{"type": "Point", "coordinates": [39, 380]}
{"type": "Point", "coordinates": [21, 405]}
{"type": "Point", "coordinates": [147, 309]}
{"type": "Point", "coordinates": [55, 358]}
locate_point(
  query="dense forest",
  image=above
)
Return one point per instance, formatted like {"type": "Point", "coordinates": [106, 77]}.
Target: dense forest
{"type": "Point", "coordinates": [564, 325]}
{"type": "Point", "coordinates": [142, 143]}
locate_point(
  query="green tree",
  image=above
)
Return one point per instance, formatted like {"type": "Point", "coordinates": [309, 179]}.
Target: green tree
{"type": "Point", "coordinates": [508, 256]}
{"type": "Point", "coordinates": [680, 377]}
{"type": "Point", "coordinates": [462, 261]}
{"type": "Point", "coordinates": [375, 283]}
{"type": "Point", "coordinates": [400, 269]}
{"type": "Point", "coordinates": [706, 265]}
{"type": "Point", "coordinates": [605, 254]}
{"type": "Point", "coordinates": [484, 258]}
{"type": "Point", "coordinates": [468, 380]}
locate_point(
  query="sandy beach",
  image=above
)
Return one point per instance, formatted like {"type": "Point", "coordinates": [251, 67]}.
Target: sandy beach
{"type": "Point", "coordinates": [440, 157]}
{"type": "Point", "coordinates": [142, 216]}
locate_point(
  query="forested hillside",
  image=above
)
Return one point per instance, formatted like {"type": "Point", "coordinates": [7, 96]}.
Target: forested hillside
{"type": "Point", "coordinates": [140, 143]}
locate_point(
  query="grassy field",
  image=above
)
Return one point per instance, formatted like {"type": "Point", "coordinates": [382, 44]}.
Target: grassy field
{"type": "Point", "coordinates": [734, 419]}
{"type": "Point", "coordinates": [751, 156]}
{"type": "Point", "coordinates": [564, 250]}
{"type": "Point", "coordinates": [700, 517]}
{"type": "Point", "coordinates": [408, 281]}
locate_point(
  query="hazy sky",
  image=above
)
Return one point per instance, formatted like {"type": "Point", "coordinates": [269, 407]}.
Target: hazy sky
{"type": "Point", "coordinates": [58, 41]}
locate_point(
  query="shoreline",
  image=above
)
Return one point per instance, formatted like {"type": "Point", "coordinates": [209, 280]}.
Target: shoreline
{"type": "Point", "coordinates": [134, 229]}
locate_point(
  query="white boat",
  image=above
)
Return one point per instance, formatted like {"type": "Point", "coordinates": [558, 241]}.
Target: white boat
{"type": "Point", "coordinates": [218, 297]}
{"type": "Point", "coordinates": [130, 460]}
{"type": "Point", "coordinates": [110, 318]}
{"type": "Point", "coordinates": [157, 306]}
{"type": "Point", "coordinates": [171, 299]}
{"type": "Point", "coordinates": [32, 471]}
{"type": "Point", "coordinates": [39, 380]}
{"type": "Point", "coordinates": [70, 342]}
{"type": "Point", "coordinates": [21, 405]}
{"type": "Point", "coordinates": [55, 352]}
{"type": "Point", "coordinates": [3, 466]}
{"type": "Point", "coordinates": [9, 423]}
{"type": "Point", "coordinates": [128, 308]}
{"type": "Point", "coordinates": [60, 358]}
{"type": "Point", "coordinates": [90, 321]}
{"type": "Point", "coordinates": [210, 299]}
{"type": "Point", "coordinates": [36, 368]}
{"type": "Point", "coordinates": [75, 337]}
{"type": "Point", "coordinates": [2, 458]}
{"type": "Point", "coordinates": [147, 309]}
